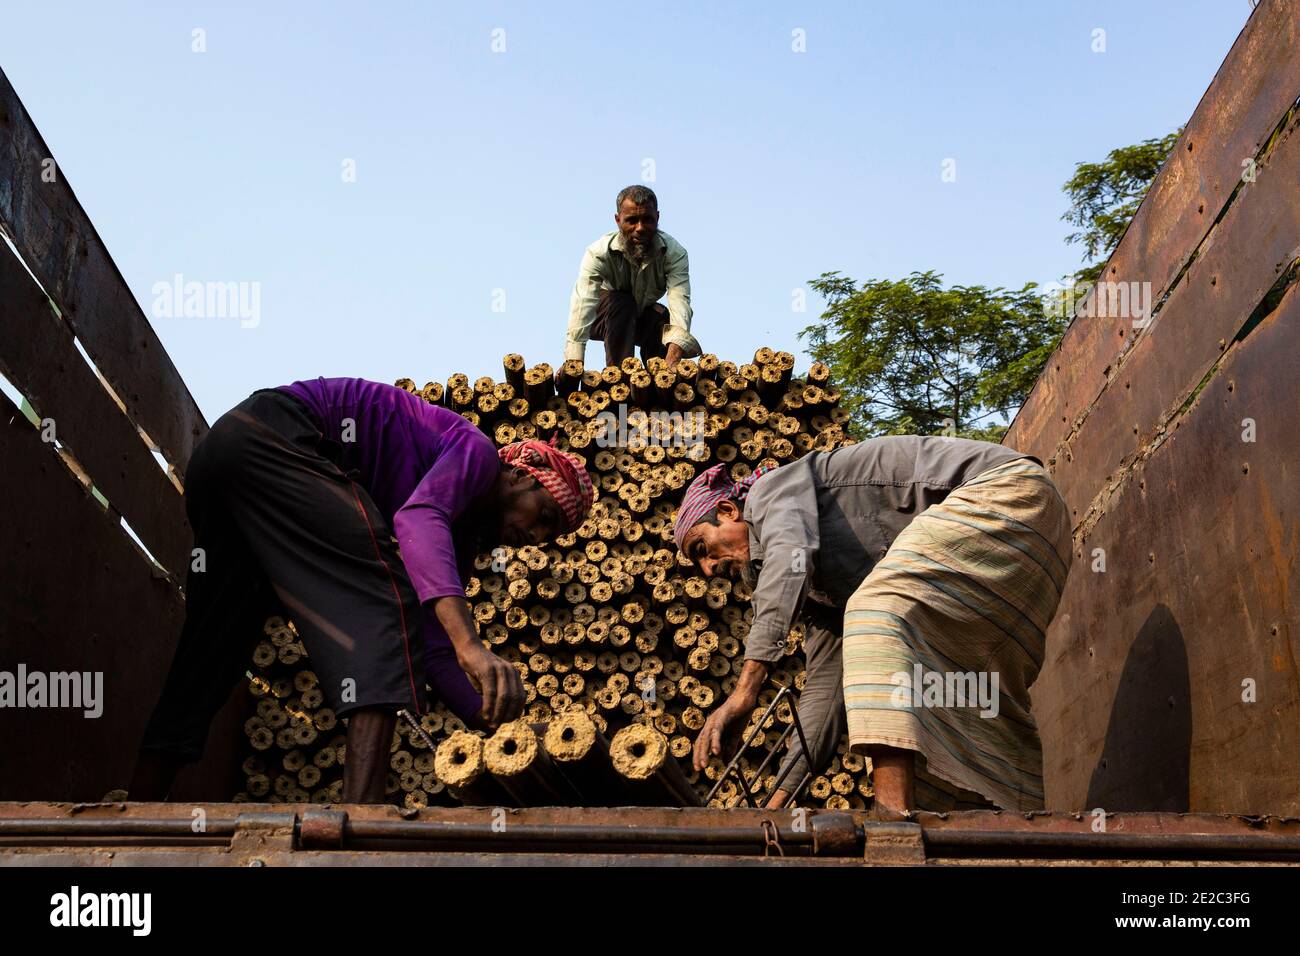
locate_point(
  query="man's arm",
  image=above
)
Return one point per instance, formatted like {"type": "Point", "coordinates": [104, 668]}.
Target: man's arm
{"type": "Point", "coordinates": [784, 514]}
{"type": "Point", "coordinates": [466, 467]}
{"type": "Point", "coordinates": [785, 518]}
{"type": "Point", "coordinates": [582, 306]}
{"type": "Point", "coordinates": [717, 730]}
{"type": "Point", "coordinates": [495, 679]}
{"type": "Point", "coordinates": [678, 282]}
{"type": "Point", "coordinates": [443, 671]}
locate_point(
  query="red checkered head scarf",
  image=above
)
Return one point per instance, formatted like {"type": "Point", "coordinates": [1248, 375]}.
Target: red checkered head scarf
{"type": "Point", "coordinates": [560, 473]}
{"type": "Point", "coordinates": [706, 491]}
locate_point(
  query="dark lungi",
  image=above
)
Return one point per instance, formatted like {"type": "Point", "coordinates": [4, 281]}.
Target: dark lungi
{"type": "Point", "coordinates": [279, 525]}
{"type": "Point", "coordinates": [623, 329]}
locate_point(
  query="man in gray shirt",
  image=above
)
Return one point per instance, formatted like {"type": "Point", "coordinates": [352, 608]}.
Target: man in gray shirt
{"type": "Point", "coordinates": [922, 549]}
{"type": "Point", "coordinates": [623, 276]}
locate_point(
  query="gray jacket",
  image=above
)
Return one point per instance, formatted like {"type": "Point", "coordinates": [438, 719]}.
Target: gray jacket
{"type": "Point", "coordinates": [817, 527]}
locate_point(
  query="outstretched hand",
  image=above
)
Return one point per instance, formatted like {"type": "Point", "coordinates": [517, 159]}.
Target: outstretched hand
{"type": "Point", "coordinates": [720, 733]}
{"type": "Point", "coordinates": [497, 682]}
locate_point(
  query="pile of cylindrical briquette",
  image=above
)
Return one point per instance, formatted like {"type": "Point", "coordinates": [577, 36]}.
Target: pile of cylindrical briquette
{"type": "Point", "coordinates": [624, 649]}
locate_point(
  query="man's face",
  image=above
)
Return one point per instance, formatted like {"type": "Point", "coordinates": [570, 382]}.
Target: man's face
{"type": "Point", "coordinates": [638, 224]}
{"type": "Point", "coordinates": [528, 515]}
{"type": "Point", "coordinates": [721, 550]}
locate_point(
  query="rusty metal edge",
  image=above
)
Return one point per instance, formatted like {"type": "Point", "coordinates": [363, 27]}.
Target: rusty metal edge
{"type": "Point", "coordinates": [157, 833]}
{"type": "Point", "coordinates": [1157, 210]}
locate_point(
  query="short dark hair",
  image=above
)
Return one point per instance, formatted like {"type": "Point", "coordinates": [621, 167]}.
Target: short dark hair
{"type": "Point", "coordinates": [639, 196]}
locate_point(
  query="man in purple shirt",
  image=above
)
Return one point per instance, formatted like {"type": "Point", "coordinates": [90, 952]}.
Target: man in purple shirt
{"type": "Point", "coordinates": [300, 498]}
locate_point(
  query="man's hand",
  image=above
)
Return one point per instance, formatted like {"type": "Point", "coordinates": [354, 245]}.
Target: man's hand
{"type": "Point", "coordinates": [497, 682]}
{"type": "Point", "coordinates": [674, 355]}
{"type": "Point", "coordinates": [740, 704]}
{"type": "Point", "coordinates": [719, 730]}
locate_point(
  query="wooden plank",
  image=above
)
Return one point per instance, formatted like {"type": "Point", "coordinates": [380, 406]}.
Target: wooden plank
{"type": "Point", "coordinates": [77, 595]}
{"type": "Point", "coordinates": [56, 239]}
{"type": "Point", "coordinates": [1246, 254]}
{"type": "Point", "coordinates": [1140, 702]}
{"type": "Point", "coordinates": [1256, 84]}
{"type": "Point", "coordinates": [38, 355]}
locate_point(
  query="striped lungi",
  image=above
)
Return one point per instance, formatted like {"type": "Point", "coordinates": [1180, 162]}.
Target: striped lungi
{"type": "Point", "coordinates": [945, 635]}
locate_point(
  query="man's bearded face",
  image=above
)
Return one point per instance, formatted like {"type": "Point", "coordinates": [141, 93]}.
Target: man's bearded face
{"type": "Point", "coordinates": [638, 225]}
{"type": "Point", "coordinates": [721, 550]}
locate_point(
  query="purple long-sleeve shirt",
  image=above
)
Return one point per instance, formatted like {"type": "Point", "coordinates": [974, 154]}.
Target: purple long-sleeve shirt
{"type": "Point", "coordinates": [427, 469]}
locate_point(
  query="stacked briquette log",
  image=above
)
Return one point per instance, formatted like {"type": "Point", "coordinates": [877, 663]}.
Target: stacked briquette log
{"type": "Point", "coordinates": [605, 620]}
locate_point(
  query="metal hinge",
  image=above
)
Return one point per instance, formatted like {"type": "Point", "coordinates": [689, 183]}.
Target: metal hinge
{"type": "Point", "coordinates": [258, 835]}
{"type": "Point", "coordinates": [894, 844]}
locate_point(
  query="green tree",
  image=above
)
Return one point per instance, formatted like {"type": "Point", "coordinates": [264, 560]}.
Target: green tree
{"type": "Point", "coordinates": [913, 357]}
{"type": "Point", "coordinates": [1105, 196]}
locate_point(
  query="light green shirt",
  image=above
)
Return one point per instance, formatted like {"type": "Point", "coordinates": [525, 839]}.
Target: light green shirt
{"type": "Point", "coordinates": [604, 266]}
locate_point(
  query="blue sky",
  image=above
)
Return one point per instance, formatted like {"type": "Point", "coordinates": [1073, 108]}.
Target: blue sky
{"type": "Point", "coordinates": [479, 171]}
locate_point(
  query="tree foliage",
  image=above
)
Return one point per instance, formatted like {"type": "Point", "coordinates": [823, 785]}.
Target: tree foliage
{"type": "Point", "coordinates": [913, 357]}
{"type": "Point", "coordinates": [1105, 196]}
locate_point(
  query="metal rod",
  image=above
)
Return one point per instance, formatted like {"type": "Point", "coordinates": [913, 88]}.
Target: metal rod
{"type": "Point", "coordinates": [145, 831]}
{"type": "Point", "coordinates": [567, 833]}
{"type": "Point", "coordinates": [129, 826]}
{"type": "Point", "coordinates": [745, 746]}
{"type": "Point", "coordinates": [795, 726]}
